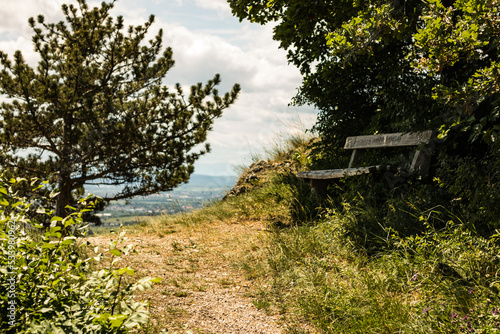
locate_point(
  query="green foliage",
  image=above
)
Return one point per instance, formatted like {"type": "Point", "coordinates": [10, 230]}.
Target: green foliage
{"type": "Point", "coordinates": [48, 282]}
{"type": "Point", "coordinates": [455, 272]}
{"type": "Point", "coordinates": [465, 185]}
{"type": "Point", "coordinates": [442, 280]}
{"type": "Point", "coordinates": [464, 37]}
{"type": "Point", "coordinates": [95, 109]}
{"type": "Point", "coordinates": [370, 207]}
{"type": "Point", "coordinates": [390, 66]}
{"type": "Point", "coordinates": [300, 203]}
{"type": "Point", "coordinates": [315, 275]}
{"type": "Point", "coordinates": [470, 186]}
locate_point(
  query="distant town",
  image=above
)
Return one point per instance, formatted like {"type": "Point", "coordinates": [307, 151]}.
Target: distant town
{"type": "Point", "coordinates": [200, 190]}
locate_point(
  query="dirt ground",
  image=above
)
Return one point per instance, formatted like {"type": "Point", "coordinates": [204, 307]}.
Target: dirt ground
{"type": "Point", "coordinates": [203, 290]}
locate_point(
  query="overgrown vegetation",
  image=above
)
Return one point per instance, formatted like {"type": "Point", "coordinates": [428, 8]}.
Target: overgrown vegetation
{"type": "Point", "coordinates": [414, 259]}
{"type": "Point", "coordinates": [50, 282]}
{"type": "Point", "coordinates": [443, 281]}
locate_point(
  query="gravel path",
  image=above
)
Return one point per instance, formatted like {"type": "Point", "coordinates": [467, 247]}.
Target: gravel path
{"type": "Point", "coordinates": [202, 291]}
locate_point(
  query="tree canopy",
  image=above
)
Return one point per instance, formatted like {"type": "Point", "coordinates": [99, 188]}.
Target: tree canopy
{"type": "Point", "coordinates": [392, 65]}
{"type": "Point", "coordinates": [95, 109]}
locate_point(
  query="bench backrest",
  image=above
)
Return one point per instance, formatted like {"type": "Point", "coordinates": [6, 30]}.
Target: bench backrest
{"type": "Point", "coordinates": [421, 160]}
{"type": "Point", "coordinates": [388, 140]}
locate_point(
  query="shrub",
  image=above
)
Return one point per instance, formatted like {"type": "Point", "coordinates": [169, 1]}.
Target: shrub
{"type": "Point", "coordinates": [472, 185]}
{"type": "Point", "coordinates": [48, 283]}
{"type": "Point", "coordinates": [454, 272]}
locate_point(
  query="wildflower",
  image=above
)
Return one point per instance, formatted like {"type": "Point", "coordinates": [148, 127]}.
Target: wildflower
{"type": "Point", "coordinates": [471, 291]}
{"type": "Point", "coordinates": [414, 277]}
{"type": "Point", "coordinates": [454, 315]}
{"type": "Point", "coordinates": [495, 311]}
{"type": "Point", "coordinates": [427, 309]}
{"type": "Point", "coordinates": [469, 326]}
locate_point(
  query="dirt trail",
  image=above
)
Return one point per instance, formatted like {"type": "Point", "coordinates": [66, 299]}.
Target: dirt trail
{"type": "Point", "coordinates": [202, 291]}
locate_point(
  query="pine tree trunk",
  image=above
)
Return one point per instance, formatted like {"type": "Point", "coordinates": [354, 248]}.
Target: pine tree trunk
{"type": "Point", "coordinates": [64, 197]}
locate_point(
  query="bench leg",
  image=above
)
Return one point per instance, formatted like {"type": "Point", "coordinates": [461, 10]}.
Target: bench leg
{"type": "Point", "coordinates": [320, 186]}
{"type": "Point", "coordinates": [393, 180]}
{"type": "Point", "coordinates": [421, 162]}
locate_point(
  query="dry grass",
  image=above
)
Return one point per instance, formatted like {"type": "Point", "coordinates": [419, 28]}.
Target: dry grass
{"type": "Point", "coordinates": [202, 289]}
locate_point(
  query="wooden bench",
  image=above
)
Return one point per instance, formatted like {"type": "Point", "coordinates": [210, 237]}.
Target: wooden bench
{"type": "Point", "coordinates": [319, 179]}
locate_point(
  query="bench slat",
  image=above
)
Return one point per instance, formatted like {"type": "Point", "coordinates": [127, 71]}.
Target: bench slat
{"type": "Point", "coordinates": [339, 173]}
{"type": "Point", "coordinates": [388, 140]}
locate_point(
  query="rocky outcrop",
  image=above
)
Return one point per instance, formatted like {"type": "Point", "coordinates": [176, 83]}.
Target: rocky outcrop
{"type": "Point", "coordinates": [256, 174]}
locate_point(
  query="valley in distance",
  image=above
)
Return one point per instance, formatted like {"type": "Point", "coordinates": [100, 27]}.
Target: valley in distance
{"type": "Point", "coordinates": [200, 190]}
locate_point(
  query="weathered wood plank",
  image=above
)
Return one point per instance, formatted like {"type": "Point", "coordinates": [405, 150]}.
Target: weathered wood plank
{"type": "Point", "coordinates": [388, 140]}
{"type": "Point", "coordinates": [339, 173]}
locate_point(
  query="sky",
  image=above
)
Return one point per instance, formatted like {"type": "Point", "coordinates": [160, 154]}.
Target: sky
{"type": "Point", "coordinates": [206, 39]}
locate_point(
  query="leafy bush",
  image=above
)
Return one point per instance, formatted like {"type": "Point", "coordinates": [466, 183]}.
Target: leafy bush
{"type": "Point", "coordinates": [467, 188]}
{"type": "Point", "coordinates": [472, 185]}
{"type": "Point", "coordinates": [48, 283]}
{"type": "Point", "coordinates": [370, 208]}
{"type": "Point", "coordinates": [453, 271]}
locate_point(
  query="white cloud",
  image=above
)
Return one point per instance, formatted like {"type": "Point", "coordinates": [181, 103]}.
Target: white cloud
{"type": "Point", "coordinates": [205, 40]}
{"type": "Point", "coordinates": [14, 15]}
{"type": "Point", "coordinates": [217, 5]}
{"type": "Point", "coordinates": [199, 55]}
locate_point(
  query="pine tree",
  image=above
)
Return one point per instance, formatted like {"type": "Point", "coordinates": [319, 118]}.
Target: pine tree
{"type": "Point", "coordinates": [95, 109]}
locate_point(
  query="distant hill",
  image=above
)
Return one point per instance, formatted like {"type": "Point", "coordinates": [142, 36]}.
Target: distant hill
{"type": "Point", "coordinates": [197, 182]}
{"type": "Point", "coordinates": [209, 181]}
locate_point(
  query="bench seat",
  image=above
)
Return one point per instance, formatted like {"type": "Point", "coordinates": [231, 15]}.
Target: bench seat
{"type": "Point", "coordinates": [343, 172]}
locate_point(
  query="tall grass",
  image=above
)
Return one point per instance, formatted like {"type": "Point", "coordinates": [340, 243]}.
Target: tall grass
{"type": "Point", "coordinates": [292, 144]}
{"type": "Point", "coordinates": [441, 281]}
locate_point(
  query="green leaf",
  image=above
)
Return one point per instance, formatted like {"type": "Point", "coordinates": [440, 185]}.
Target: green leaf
{"type": "Point", "coordinates": [156, 280]}
{"type": "Point", "coordinates": [48, 246]}
{"type": "Point", "coordinates": [117, 320]}
{"type": "Point", "coordinates": [68, 241]}
{"type": "Point", "coordinates": [69, 221]}
{"type": "Point", "coordinates": [37, 187]}
{"type": "Point", "coordinates": [115, 252]}
{"type": "Point", "coordinates": [53, 193]}
{"type": "Point", "coordinates": [122, 271]}
{"type": "Point", "coordinates": [55, 229]}
{"type": "Point", "coordinates": [102, 318]}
